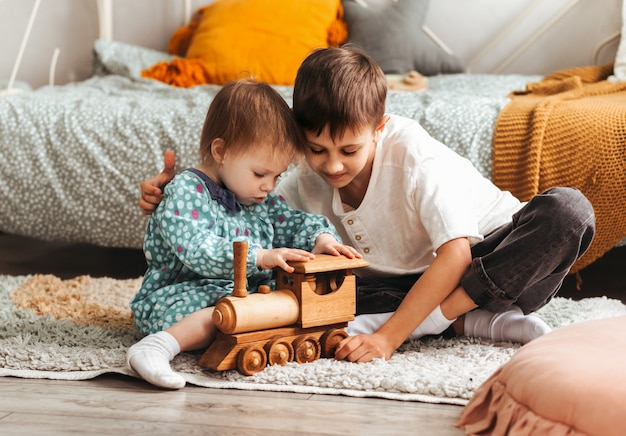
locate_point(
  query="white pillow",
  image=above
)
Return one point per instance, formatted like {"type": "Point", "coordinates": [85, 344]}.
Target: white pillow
{"type": "Point", "coordinates": [619, 70]}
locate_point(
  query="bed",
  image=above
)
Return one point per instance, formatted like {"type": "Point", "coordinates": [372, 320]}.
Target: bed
{"type": "Point", "coordinates": [74, 155]}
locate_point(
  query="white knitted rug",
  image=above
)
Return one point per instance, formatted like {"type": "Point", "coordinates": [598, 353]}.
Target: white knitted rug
{"type": "Point", "coordinates": [78, 329]}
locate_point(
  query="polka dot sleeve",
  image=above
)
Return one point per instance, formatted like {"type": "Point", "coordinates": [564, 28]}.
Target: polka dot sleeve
{"type": "Point", "coordinates": [195, 229]}
{"type": "Point", "coordinates": [296, 228]}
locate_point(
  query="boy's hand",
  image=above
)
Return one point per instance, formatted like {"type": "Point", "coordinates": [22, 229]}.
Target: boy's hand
{"type": "Point", "coordinates": [364, 348]}
{"type": "Point", "coordinates": [278, 257]}
{"type": "Point", "coordinates": [327, 244]}
{"type": "Point", "coordinates": [152, 189]}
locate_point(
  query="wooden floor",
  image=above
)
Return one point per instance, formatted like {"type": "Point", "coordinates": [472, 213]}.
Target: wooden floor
{"type": "Point", "coordinates": [123, 405]}
{"type": "Point", "coordinates": [115, 405]}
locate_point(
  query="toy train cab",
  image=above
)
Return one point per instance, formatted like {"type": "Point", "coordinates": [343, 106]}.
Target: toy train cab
{"type": "Point", "coordinates": [302, 320]}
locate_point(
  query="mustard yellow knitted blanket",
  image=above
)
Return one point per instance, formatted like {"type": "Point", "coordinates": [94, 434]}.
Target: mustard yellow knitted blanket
{"type": "Point", "coordinates": [569, 129]}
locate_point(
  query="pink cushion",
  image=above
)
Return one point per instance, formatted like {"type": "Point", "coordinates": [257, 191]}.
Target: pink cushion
{"type": "Point", "coordinates": [570, 381]}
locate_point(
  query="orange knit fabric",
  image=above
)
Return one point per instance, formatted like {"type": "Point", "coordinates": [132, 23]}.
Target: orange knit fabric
{"type": "Point", "coordinates": [338, 29]}
{"type": "Point", "coordinates": [183, 73]}
{"type": "Point", "coordinates": [181, 38]}
{"type": "Point", "coordinates": [568, 130]}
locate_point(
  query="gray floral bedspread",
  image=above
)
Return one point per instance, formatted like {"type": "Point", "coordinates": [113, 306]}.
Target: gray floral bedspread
{"type": "Point", "coordinates": [72, 156]}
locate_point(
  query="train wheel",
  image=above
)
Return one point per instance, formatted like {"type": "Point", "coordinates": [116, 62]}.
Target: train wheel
{"type": "Point", "coordinates": [306, 349]}
{"type": "Point", "coordinates": [251, 360]}
{"type": "Point", "coordinates": [330, 339]}
{"type": "Point", "coordinates": [279, 352]}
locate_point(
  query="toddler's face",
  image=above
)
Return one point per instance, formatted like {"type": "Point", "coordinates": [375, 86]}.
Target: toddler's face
{"type": "Point", "coordinates": [251, 176]}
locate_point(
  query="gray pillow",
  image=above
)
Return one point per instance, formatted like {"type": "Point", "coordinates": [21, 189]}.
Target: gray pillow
{"type": "Point", "coordinates": [392, 34]}
{"type": "Point", "coordinates": [128, 60]}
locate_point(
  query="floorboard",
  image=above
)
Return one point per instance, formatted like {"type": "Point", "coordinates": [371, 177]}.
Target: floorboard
{"type": "Point", "coordinates": [120, 405]}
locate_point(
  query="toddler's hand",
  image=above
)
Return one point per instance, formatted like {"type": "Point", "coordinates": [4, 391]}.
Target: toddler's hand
{"type": "Point", "coordinates": [278, 257]}
{"type": "Point", "coordinates": [327, 244]}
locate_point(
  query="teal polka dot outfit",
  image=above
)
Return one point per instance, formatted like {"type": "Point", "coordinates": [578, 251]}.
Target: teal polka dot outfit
{"type": "Point", "coordinates": [189, 247]}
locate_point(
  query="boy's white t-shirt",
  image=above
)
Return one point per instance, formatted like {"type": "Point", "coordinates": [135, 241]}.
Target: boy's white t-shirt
{"type": "Point", "coordinates": [421, 195]}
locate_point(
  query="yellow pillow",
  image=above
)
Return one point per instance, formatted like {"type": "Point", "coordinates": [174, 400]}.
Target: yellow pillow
{"type": "Point", "coordinates": [263, 39]}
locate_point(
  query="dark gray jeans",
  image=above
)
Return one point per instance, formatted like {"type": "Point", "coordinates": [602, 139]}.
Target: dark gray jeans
{"type": "Point", "coordinates": [522, 263]}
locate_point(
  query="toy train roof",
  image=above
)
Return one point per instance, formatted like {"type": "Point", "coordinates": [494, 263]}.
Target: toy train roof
{"type": "Point", "coordinates": [326, 262]}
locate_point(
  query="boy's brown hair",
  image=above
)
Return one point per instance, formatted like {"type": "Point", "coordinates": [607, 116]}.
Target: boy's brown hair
{"type": "Point", "coordinates": [248, 113]}
{"type": "Point", "coordinates": [339, 87]}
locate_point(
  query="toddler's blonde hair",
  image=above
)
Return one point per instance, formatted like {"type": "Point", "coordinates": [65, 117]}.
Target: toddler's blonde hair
{"type": "Point", "coordinates": [246, 113]}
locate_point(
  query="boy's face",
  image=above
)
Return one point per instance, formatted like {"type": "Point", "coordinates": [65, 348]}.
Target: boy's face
{"type": "Point", "coordinates": [343, 160]}
{"type": "Point", "coordinates": [252, 175]}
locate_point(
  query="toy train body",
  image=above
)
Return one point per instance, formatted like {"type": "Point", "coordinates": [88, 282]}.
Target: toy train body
{"type": "Point", "coordinates": [302, 320]}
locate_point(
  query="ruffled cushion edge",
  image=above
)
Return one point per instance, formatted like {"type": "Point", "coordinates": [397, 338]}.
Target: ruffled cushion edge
{"type": "Point", "coordinates": [493, 411]}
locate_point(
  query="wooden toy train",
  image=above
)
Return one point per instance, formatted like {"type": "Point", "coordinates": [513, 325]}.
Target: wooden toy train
{"type": "Point", "coordinates": [302, 320]}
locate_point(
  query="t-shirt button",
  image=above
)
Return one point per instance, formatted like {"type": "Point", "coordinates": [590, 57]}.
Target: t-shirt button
{"type": "Point", "coordinates": [366, 250]}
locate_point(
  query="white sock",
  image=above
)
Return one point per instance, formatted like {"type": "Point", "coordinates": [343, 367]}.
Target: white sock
{"type": "Point", "coordinates": [434, 324]}
{"type": "Point", "coordinates": [151, 357]}
{"type": "Point", "coordinates": [511, 325]}
{"type": "Point", "coordinates": [367, 324]}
